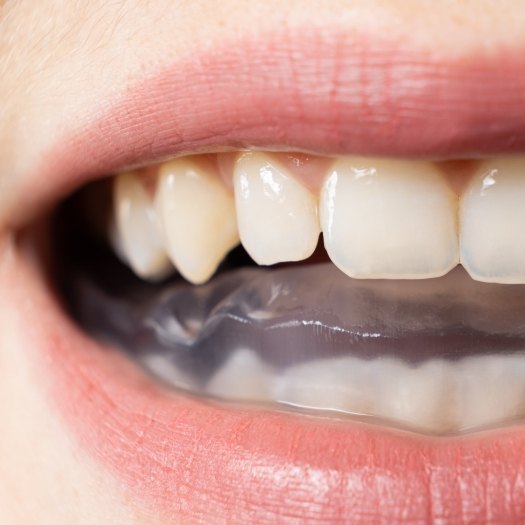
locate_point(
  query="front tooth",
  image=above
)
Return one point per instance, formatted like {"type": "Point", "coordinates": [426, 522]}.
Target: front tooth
{"type": "Point", "coordinates": [389, 219]}
{"type": "Point", "coordinates": [277, 215]}
{"type": "Point", "coordinates": [492, 220]}
{"type": "Point", "coordinates": [492, 390]}
{"type": "Point", "coordinates": [135, 231]}
{"type": "Point", "coordinates": [198, 214]}
{"type": "Point", "coordinates": [422, 396]}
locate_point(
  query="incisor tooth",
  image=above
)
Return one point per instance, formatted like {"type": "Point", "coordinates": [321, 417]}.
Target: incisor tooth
{"type": "Point", "coordinates": [492, 221]}
{"type": "Point", "coordinates": [492, 390]}
{"type": "Point", "coordinates": [198, 214]}
{"type": "Point", "coordinates": [422, 396]}
{"type": "Point", "coordinates": [389, 219]}
{"type": "Point", "coordinates": [135, 234]}
{"type": "Point", "coordinates": [277, 215]}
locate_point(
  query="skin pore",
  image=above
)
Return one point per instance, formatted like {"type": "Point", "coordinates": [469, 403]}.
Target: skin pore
{"type": "Point", "coordinates": [63, 63]}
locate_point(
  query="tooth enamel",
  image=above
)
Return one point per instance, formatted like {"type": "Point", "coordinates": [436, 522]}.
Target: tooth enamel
{"type": "Point", "coordinates": [198, 214]}
{"type": "Point", "coordinates": [135, 232]}
{"type": "Point", "coordinates": [492, 390]}
{"type": "Point", "coordinates": [168, 372]}
{"type": "Point", "coordinates": [422, 396]}
{"type": "Point", "coordinates": [243, 377]}
{"type": "Point", "coordinates": [492, 221]}
{"type": "Point", "coordinates": [389, 219]}
{"type": "Point", "coordinates": [331, 384]}
{"type": "Point", "coordinates": [277, 216]}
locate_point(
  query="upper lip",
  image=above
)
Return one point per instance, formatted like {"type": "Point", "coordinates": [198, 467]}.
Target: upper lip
{"type": "Point", "coordinates": [339, 95]}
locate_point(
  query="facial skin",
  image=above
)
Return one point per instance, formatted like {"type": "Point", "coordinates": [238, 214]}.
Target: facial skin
{"type": "Point", "coordinates": [62, 62]}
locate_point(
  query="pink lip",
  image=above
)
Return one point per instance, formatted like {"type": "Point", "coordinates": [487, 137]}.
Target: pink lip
{"type": "Point", "coordinates": [328, 93]}
{"type": "Point", "coordinates": [217, 465]}
{"type": "Point", "coordinates": [202, 463]}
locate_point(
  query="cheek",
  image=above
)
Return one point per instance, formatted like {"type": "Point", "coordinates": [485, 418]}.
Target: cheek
{"type": "Point", "coordinates": [43, 476]}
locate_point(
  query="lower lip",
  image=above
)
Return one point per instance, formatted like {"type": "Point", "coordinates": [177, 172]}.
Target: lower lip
{"type": "Point", "coordinates": [209, 464]}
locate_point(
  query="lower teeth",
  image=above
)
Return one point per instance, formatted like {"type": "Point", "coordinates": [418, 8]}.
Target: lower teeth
{"type": "Point", "coordinates": [437, 356]}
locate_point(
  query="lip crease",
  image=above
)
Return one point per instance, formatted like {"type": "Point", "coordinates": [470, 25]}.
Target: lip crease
{"type": "Point", "coordinates": [210, 464]}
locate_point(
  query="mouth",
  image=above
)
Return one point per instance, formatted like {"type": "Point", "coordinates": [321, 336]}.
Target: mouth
{"type": "Point", "coordinates": [220, 357]}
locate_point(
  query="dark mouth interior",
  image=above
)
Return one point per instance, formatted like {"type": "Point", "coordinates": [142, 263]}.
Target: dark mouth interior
{"type": "Point", "coordinates": [286, 315]}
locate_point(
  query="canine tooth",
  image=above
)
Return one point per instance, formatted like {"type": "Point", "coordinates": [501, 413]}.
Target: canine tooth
{"type": "Point", "coordinates": [422, 396]}
{"type": "Point", "coordinates": [492, 219]}
{"type": "Point", "coordinates": [340, 384]}
{"type": "Point", "coordinates": [242, 378]}
{"type": "Point", "coordinates": [135, 232]}
{"type": "Point", "coordinates": [492, 390]}
{"type": "Point", "coordinates": [389, 219]}
{"type": "Point", "coordinates": [277, 215]}
{"type": "Point", "coordinates": [198, 214]}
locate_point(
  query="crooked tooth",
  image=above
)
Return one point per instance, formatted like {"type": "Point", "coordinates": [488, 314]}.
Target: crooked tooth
{"type": "Point", "coordinates": [277, 216]}
{"type": "Point", "coordinates": [389, 219]}
{"type": "Point", "coordinates": [135, 232]}
{"type": "Point", "coordinates": [198, 214]}
{"type": "Point", "coordinates": [492, 221]}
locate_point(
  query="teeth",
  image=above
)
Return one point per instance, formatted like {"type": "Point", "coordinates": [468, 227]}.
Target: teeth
{"type": "Point", "coordinates": [277, 216]}
{"type": "Point", "coordinates": [380, 218]}
{"type": "Point", "coordinates": [198, 214]}
{"type": "Point", "coordinates": [135, 232]}
{"type": "Point", "coordinates": [165, 370]}
{"type": "Point", "coordinates": [492, 390]}
{"type": "Point", "coordinates": [331, 384]}
{"type": "Point", "coordinates": [421, 396]}
{"type": "Point", "coordinates": [435, 397]}
{"type": "Point", "coordinates": [492, 220]}
{"type": "Point", "coordinates": [389, 219]}
{"type": "Point", "coordinates": [243, 377]}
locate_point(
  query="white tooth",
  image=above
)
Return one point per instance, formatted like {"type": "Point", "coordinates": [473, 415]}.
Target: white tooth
{"type": "Point", "coordinates": [389, 219]}
{"type": "Point", "coordinates": [492, 221]}
{"type": "Point", "coordinates": [492, 390]}
{"type": "Point", "coordinates": [242, 378]}
{"type": "Point", "coordinates": [135, 232]}
{"type": "Point", "coordinates": [198, 214]}
{"type": "Point", "coordinates": [423, 396]}
{"type": "Point", "coordinates": [341, 384]}
{"type": "Point", "coordinates": [277, 215]}
{"type": "Point", "coordinates": [167, 371]}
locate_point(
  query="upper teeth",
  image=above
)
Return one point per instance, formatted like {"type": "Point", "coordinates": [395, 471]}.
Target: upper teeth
{"type": "Point", "coordinates": [492, 215]}
{"type": "Point", "coordinates": [390, 219]}
{"type": "Point", "coordinates": [380, 218]}
{"type": "Point", "coordinates": [137, 237]}
{"type": "Point", "coordinates": [198, 215]}
{"type": "Point", "coordinates": [277, 215]}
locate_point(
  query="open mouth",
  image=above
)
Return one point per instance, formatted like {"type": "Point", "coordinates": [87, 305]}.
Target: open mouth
{"type": "Point", "coordinates": [243, 327]}
{"type": "Point", "coordinates": [378, 321]}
